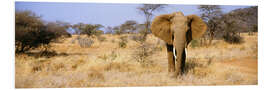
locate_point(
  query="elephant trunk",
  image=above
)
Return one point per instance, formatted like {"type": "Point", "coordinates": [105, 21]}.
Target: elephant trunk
{"type": "Point", "coordinates": [180, 46]}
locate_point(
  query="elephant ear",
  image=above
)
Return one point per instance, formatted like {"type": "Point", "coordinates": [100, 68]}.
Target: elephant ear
{"type": "Point", "coordinates": [197, 26]}
{"type": "Point", "coordinates": [160, 27]}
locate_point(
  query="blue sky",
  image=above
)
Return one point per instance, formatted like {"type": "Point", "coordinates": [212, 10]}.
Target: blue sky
{"type": "Point", "coordinates": [100, 13]}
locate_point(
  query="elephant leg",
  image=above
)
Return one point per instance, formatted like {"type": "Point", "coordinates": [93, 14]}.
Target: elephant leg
{"type": "Point", "coordinates": [171, 59]}
{"type": "Point", "coordinates": [183, 61]}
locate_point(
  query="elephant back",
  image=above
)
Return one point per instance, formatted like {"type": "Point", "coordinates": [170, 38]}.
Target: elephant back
{"type": "Point", "coordinates": [160, 27]}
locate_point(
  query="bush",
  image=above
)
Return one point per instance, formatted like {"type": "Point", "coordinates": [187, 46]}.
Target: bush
{"type": "Point", "coordinates": [85, 42]}
{"type": "Point", "coordinates": [113, 41]}
{"type": "Point", "coordinates": [98, 32]}
{"type": "Point", "coordinates": [143, 52]}
{"type": "Point", "coordinates": [59, 28]}
{"type": "Point", "coordinates": [232, 38]}
{"type": "Point", "coordinates": [26, 40]}
{"type": "Point", "coordinates": [31, 32]}
{"type": "Point", "coordinates": [137, 38]}
{"type": "Point", "coordinates": [123, 42]}
{"type": "Point", "coordinates": [194, 43]}
{"type": "Point", "coordinates": [109, 57]}
{"type": "Point", "coordinates": [101, 38]}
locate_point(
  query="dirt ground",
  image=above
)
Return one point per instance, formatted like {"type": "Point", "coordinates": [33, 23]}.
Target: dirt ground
{"type": "Point", "coordinates": [105, 64]}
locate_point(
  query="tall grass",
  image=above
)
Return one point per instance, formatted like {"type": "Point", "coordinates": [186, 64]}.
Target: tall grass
{"type": "Point", "coordinates": [138, 64]}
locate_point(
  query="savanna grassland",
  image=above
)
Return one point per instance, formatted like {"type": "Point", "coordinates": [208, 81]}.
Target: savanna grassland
{"type": "Point", "coordinates": [106, 64]}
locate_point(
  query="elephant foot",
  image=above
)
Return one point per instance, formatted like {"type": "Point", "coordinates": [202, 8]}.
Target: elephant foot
{"type": "Point", "coordinates": [171, 70]}
{"type": "Point", "coordinates": [170, 74]}
{"type": "Point", "coordinates": [174, 75]}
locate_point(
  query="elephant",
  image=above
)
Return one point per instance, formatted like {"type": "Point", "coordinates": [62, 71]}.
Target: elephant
{"type": "Point", "coordinates": [177, 30]}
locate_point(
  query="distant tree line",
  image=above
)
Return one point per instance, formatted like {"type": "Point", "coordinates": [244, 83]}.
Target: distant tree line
{"type": "Point", "coordinates": [128, 27]}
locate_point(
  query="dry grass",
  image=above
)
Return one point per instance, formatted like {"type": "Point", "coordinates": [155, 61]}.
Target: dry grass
{"type": "Point", "coordinates": [104, 64]}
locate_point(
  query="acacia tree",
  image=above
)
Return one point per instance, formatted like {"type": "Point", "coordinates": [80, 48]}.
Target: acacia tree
{"type": "Point", "coordinates": [77, 27]}
{"type": "Point", "coordinates": [87, 29]}
{"type": "Point", "coordinates": [211, 14]}
{"type": "Point", "coordinates": [91, 29]}
{"type": "Point", "coordinates": [109, 30]}
{"type": "Point", "coordinates": [140, 28]}
{"type": "Point", "coordinates": [116, 30]}
{"type": "Point", "coordinates": [128, 27]}
{"type": "Point", "coordinates": [147, 11]}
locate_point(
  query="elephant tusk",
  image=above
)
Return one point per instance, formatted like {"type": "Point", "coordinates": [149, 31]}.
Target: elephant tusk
{"type": "Point", "coordinates": [174, 53]}
{"type": "Point", "coordinates": [186, 51]}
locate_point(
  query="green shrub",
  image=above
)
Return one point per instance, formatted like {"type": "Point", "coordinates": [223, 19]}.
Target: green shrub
{"type": "Point", "coordinates": [123, 42]}
{"type": "Point", "coordinates": [142, 54]}
{"type": "Point", "coordinates": [194, 43]}
{"type": "Point", "coordinates": [137, 38]}
{"type": "Point", "coordinates": [232, 38]}
{"type": "Point", "coordinates": [101, 38]}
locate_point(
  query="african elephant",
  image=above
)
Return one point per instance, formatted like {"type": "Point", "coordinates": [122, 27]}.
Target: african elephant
{"type": "Point", "coordinates": [177, 31]}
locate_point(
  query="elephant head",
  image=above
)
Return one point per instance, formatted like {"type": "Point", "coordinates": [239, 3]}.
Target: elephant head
{"type": "Point", "coordinates": [177, 31]}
